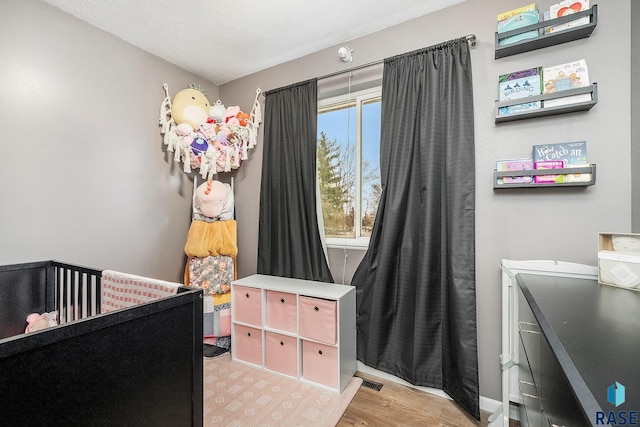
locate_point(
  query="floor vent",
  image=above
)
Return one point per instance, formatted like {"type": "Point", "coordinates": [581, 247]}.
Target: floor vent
{"type": "Point", "coordinates": [371, 384]}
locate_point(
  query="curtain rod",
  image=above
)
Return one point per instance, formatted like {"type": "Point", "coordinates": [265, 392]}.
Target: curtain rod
{"type": "Point", "coordinates": [471, 39]}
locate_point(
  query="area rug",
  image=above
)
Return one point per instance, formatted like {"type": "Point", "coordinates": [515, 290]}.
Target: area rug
{"type": "Point", "coordinates": [240, 395]}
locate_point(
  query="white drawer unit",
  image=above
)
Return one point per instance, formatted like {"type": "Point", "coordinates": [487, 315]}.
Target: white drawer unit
{"type": "Point", "coordinates": [298, 328]}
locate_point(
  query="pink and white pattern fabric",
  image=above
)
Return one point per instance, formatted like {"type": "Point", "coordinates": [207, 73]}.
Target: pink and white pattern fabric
{"type": "Point", "coordinates": [121, 290]}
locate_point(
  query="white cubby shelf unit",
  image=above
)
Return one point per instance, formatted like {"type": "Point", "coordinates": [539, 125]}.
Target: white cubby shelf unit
{"type": "Point", "coordinates": [299, 328]}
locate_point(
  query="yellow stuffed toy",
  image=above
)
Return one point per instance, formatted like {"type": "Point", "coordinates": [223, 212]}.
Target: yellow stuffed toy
{"type": "Point", "coordinates": [190, 106]}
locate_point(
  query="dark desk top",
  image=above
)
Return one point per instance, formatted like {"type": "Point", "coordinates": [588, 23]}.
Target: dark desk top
{"type": "Point", "coordinates": [594, 331]}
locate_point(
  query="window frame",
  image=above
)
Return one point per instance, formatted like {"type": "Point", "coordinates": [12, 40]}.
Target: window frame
{"type": "Point", "coordinates": [359, 97]}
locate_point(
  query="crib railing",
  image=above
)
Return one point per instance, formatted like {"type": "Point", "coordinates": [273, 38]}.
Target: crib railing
{"type": "Point", "coordinates": [45, 286]}
{"type": "Point", "coordinates": [77, 291]}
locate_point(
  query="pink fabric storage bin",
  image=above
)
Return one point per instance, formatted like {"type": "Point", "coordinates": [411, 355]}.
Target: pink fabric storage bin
{"type": "Point", "coordinates": [247, 342]}
{"type": "Point", "coordinates": [318, 319]}
{"type": "Point", "coordinates": [281, 353]}
{"type": "Point", "coordinates": [247, 305]}
{"type": "Point", "coordinates": [320, 363]}
{"type": "Point", "coordinates": [282, 311]}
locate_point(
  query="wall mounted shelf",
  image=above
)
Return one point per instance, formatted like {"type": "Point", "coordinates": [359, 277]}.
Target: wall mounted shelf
{"type": "Point", "coordinates": [550, 39]}
{"type": "Point", "coordinates": [548, 111]}
{"type": "Point", "coordinates": [587, 169]}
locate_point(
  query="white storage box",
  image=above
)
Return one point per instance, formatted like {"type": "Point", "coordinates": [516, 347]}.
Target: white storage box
{"type": "Point", "coordinates": [619, 260]}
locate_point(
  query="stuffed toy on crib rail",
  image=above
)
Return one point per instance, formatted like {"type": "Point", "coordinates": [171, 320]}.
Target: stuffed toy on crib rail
{"type": "Point", "coordinates": [205, 136]}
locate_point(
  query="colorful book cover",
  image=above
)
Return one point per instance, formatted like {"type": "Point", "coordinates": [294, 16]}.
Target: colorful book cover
{"type": "Point", "coordinates": [565, 76]}
{"type": "Point", "coordinates": [549, 179]}
{"type": "Point", "coordinates": [568, 7]}
{"type": "Point", "coordinates": [504, 15]}
{"type": "Point", "coordinates": [522, 87]}
{"type": "Point", "coordinates": [536, 71]}
{"type": "Point", "coordinates": [573, 154]}
{"type": "Point", "coordinates": [514, 165]}
{"type": "Point", "coordinates": [518, 21]}
{"type": "Point", "coordinates": [561, 77]}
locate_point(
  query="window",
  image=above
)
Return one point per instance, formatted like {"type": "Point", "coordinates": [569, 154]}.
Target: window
{"type": "Point", "coordinates": [349, 165]}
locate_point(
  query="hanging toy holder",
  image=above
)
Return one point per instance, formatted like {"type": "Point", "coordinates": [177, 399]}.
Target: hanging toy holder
{"type": "Point", "coordinates": [207, 137]}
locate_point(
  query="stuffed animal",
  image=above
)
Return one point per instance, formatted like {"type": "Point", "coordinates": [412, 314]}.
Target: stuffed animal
{"type": "Point", "coordinates": [190, 106]}
{"type": "Point", "coordinates": [37, 322]}
{"type": "Point", "coordinates": [183, 129]}
{"type": "Point", "coordinates": [205, 136]}
{"type": "Point", "coordinates": [218, 112]}
{"type": "Point", "coordinates": [243, 118]}
{"type": "Point", "coordinates": [199, 145]}
{"type": "Point", "coordinates": [211, 198]}
{"type": "Point", "coordinates": [230, 116]}
{"type": "Point", "coordinates": [222, 138]}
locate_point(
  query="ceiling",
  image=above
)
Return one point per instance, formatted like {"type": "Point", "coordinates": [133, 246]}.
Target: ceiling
{"type": "Point", "coordinates": [223, 40]}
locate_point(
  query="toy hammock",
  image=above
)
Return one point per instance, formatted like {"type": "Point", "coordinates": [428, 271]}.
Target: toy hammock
{"type": "Point", "coordinates": [212, 138]}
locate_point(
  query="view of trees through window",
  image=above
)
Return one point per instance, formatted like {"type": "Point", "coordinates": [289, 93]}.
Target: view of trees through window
{"type": "Point", "coordinates": [348, 168]}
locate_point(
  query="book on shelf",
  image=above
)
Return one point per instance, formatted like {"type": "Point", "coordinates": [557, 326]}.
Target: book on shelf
{"type": "Point", "coordinates": [548, 179]}
{"type": "Point", "coordinates": [573, 154]}
{"type": "Point", "coordinates": [518, 18]}
{"type": "Point", "coordinates": [509, 13]}
{"type": "Point", "coordinates": [535, 71]}
{"type": "Point", "coordinates": [520, 84]}
{"type": "Point", "coordinates": [564, 8]}
{"type": "Point", "coordinates": [514, 165]}
{"type": "Point", "coordinates": [570, 75]}
{"type": "Point", "coordinates": [545, 17]}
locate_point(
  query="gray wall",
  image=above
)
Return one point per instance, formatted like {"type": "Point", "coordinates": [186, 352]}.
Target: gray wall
{"type": "Point", "coordinates": [84, 177]}
{"type": "Point", "coordinates": [83, 174]}
{"type": "Point", "coordinates": [560, 223]}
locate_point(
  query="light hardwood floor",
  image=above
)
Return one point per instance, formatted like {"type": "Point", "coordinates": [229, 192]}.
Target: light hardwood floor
{"type": "Point", "coordinates": [399, 405]}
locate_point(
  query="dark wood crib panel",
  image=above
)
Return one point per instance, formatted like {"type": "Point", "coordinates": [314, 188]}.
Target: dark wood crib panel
{"type": "Point", "coordinates": [45, 286]}
{"type": "Point", "coordinates": [139, 366]}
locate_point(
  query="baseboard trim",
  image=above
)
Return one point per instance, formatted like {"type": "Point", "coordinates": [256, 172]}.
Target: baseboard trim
{"type": "Point", "coordinates": [486, 403]}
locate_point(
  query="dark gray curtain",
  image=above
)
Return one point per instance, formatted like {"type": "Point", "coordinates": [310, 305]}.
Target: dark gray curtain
{"type": "Point", "coordinates": [289, 242]}
{"type": "Point", "coordinates": [416, 284]}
